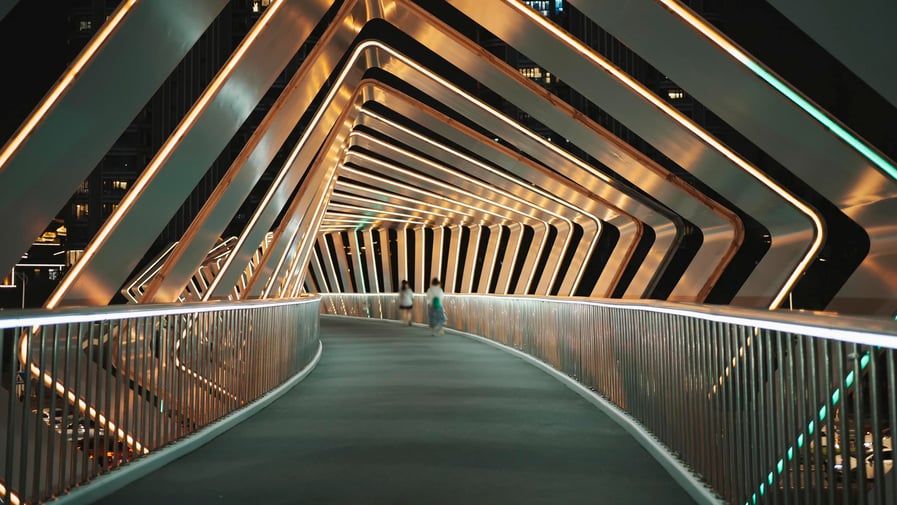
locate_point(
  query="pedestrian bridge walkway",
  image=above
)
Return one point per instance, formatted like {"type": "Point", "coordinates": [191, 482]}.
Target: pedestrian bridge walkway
{"type": "Point", "coordinates": [393, 415]}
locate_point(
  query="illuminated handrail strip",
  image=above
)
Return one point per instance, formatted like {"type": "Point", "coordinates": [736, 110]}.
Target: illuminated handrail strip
{"type": "Point", "coordinates": [74, 315]}
{"type": "Point", "coordinates": [878, 332]}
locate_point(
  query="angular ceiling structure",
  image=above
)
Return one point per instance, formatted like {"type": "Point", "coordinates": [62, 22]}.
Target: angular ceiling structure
{"type": "Point", "coordinates": [404, 171]}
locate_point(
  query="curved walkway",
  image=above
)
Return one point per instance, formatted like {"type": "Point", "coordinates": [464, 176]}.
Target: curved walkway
{"type": "Point", "coordinates": [392, 416]}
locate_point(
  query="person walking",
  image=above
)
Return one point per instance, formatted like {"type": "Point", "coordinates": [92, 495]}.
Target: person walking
{"type": "Point", "coordinates": [435, 298]}
{"type": "Point", "coordinates": [406, 302]}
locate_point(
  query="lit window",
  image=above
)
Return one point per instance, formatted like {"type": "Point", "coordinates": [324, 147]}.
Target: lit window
{"type": "Point", "coordinates": [83, 188]}
{"type": "Point", "coordinates": [255, 6]}
{"type": "Point", "coordinates": [547, 77]}
{"type": "Point", "coordinates": [531, 72]}
{"type": "Point", "coordinates": [120, 185]}
{"type": "Point", "coordinates": [8, 280]}
{"type": "Point", "coordinates": [79, 210]}
{"type": "Point", "coordinates": [676, 94]}
{"type": "Point", "coordinates": [558, 6]}
{"type": "Point", "coordinates": [73, 255]}
{"type": "Point", "coordinates": [85, 25]}
{"type": "Point", "coordinates": [541, 6]}
{"type": "Point", "coordinates": [47, 237]}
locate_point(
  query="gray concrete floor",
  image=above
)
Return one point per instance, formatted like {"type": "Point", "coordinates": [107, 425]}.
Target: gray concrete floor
{"type": "Point", "coordinates": [393, 415]}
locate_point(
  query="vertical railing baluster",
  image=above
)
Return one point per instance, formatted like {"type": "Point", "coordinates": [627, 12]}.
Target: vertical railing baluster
{"type": "Point", "coordinates": [877, 451]}
{"type": "Point", "coordinates": [890, 482]}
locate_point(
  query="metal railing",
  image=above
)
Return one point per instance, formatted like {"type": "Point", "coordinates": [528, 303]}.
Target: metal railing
{"type": "Point", "coordinates": [765, 407]}
{"type": "Point", "coordinates": [87, 390]}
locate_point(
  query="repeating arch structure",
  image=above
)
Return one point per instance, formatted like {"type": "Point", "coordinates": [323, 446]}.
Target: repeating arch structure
{"type": "Point", "coordinates": [404, 172]}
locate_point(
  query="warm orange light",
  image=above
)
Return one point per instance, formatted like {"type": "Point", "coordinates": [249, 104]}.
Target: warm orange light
{"type": "Point", "coordinates": [162, 156]}
{"type": "Point", "coordinates": [688, 124]}
{"type": "Point", "coordinates": [63, 85]}
{"type": "Point", "coordinates": [499, 173]}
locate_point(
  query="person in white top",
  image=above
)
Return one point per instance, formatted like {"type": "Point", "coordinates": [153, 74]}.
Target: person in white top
{"type": "Point", "coordinates": [435, 297]}
{"type": "Point", "coordinates": [406, 302]}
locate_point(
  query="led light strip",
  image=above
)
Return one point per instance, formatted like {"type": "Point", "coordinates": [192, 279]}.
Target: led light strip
{"type": "Point", "coordinates": [189, 371]}
{"type": "Point", "coordinates": [781, 86]}
{"type": "Point", "coordinates": [163, 155]}
{"type": "Point", "coordinates": [885, 337]}
{"type": "Point", "coordinates": [322, 200]}
{"type": "Point", "coordinates": [119, 312]}
{"type": "Point", "coordinates": [150, 272]}
{"type": "Point", "coordinates": [340, 209]}
{"type": "Point", "coordinates": [501, 219]}
{"type": "Point", "coordinates": [374, 203]}
{"type": "Point", "coordinates": [13, 498]}
{"type": "Point", "coordinates": [306, 247]}
{"type": "Point", "coordinates": [132, 195]}
{"type": "Point", "coordinates": [779, 467]}
{"type": "Point", "coordinates": [459, 175]}
{"type": "Point", "coordinates": [394, 196]}
{"type": "Point", "coordinates": [352, 219]}
{"type": "Point", "coordinates": [486, 201]}
{"type": "Point", "coordinates": [513, 180]}
{"type": "Point", "coordinates": [335, 88]}
{"type": "Point", "coordinates": [71, 397]}
{"type": "Point", "coordinates": [408, 187]}
{"type": "Point", "coordinates": [707, 138]}
{"type": "Point", "coordinates": [282, 173]}
{"type": "Point", "coordinates": [481, 165]}
{"type": "Point", "coordinates": [470, 195]}
{"type": "Point", "coordinates": [688, 124]}
{"type": "Point", "coordinates": [65, 82]}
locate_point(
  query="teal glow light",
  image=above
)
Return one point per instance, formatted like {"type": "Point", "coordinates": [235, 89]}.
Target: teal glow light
{"type": "Point", "coordinates": [811, 427]}
{"type": "Point", "coordinates": [818, 115]}
{"type": "Point", "coordinates": [864, 361]}
{"type": "Point", "coordinates": [723, 43]}
{"type": "Point", "coordinates": [362, 224]}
